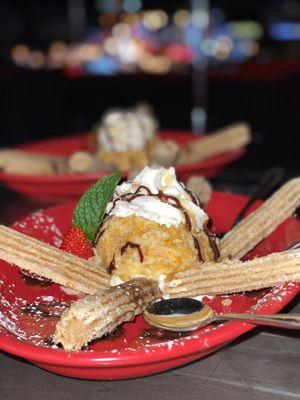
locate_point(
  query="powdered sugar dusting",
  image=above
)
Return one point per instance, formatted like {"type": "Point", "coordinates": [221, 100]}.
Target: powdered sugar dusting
{"type": "Point", "coordinates": [44, 225]}
{"type": "Point", "coordinates": [276, 294]}
{"type": "Point", "coordinates": [8, 313]}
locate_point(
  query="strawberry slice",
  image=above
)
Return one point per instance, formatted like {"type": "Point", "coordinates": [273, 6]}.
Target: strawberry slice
{"type": "Point", "coordinates": [76, 243]}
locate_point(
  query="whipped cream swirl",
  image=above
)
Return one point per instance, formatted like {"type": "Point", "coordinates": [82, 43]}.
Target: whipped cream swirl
{"type": "Point", "coordinates": [156, 195]}
{"type": "Point", "coordinates": [125, 130]}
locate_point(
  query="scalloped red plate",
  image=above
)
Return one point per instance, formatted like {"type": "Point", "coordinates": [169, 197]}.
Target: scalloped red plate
{"type": "Point", "coordinates": [67, 187]}
{"type": "Point", "coordinates": [135, 352]}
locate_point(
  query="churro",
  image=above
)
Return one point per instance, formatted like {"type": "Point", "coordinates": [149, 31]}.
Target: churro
{"type": "Point", "coordinates": [200, 187]}
{"type": "Point", "coordinates": [52, 263]}
{"type": "Point", "coordinates": [97, 315]}
{"type": "Point", "coordinates": [234, 276]}
{"type": "Point", "coordinates": [224, 140]}
{"type": "Point", "coordinates": [260, 223]}
{"type": "Point", "coordinates": [83, 161]}
{"type": "Point", "coordinates": [164, 152]}
{"type": "Point", "coordinates": [27, 163]}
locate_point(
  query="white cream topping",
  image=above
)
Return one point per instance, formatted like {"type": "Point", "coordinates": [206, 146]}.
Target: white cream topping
{"type": "Point", "coordinates": [125, 130]}
{"type": "Point", "coordinates": [152, 208]}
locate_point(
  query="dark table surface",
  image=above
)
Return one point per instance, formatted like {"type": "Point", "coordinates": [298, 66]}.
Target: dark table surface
{"type": "Point", "coordinates": [261, 365]}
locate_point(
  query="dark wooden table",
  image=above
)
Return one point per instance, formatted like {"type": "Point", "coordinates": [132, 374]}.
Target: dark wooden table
{"type": "Point", "coordinates": [263, 364]}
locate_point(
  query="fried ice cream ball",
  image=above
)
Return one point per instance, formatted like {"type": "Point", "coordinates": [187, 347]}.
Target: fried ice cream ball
{"type": "Point", "coordinates": [133, 247]}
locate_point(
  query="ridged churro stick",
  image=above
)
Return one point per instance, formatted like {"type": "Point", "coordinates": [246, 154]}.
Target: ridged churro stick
{"type": "Point", "coordinates": [230, 138]}
{"type": "Point", "coordinates": [94, 316]}
{"type": "Point", "coordinates": [27, 163]}
{"type": "Point", "coordinates": [200, 187]}
{"type": "Point", "coordinates": [236, 276]}
{"type": "Point", "coordinates": [52, 263]}
{"type": "Point", "coordinates": [259, 224]}
{"type": "Point", "coordinates": [83, 161]}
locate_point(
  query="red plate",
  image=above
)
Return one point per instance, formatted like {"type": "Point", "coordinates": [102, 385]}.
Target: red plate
{"type": "Point", "coordinates": [132, 354]}
{"type": "Point", "coordinates": [66, 187]}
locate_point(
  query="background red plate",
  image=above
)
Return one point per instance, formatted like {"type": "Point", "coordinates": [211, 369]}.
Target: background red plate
{"type": "Point", "coordinates": [66, 187]}
{"type": "Point", "coordinates": [130, 355]}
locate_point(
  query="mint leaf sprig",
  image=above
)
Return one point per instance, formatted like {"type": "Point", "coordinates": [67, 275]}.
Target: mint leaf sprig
{"type": "Point", "coordinates": [90, 210]}
{"type": "Point", "coordinates": [95, 128]}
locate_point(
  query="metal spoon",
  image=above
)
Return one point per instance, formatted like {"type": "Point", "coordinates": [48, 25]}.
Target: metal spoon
{"type": "Point", "coordinates": [186, 314]}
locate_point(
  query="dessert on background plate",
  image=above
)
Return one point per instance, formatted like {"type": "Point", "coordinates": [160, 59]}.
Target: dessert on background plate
{"type": "Point", "coordinates": [127, 140]}
{"type": "Point", "coordinates": [160, 259]}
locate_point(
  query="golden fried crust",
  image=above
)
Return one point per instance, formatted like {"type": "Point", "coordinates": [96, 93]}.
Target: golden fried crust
{"type": "Point", "coordinates": [134, 246]}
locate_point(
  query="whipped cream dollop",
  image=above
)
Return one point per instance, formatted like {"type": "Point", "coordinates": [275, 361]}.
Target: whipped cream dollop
{"type": "Point", "coordinates": [125, 130]}
{"type": "Point", "coordinates": [172, 205]}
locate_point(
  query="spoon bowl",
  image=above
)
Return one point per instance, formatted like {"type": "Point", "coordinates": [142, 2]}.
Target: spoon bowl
{"type": "Point", "coordinates": [179, 314]}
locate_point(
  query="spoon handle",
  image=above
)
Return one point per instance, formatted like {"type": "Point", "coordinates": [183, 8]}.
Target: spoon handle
{"type": "Point", "coordinates": [270, 180]}
{"type": "Point", "coordinates": [288, 321]}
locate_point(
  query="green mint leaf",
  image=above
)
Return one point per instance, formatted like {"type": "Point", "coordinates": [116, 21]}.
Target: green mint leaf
{"type": "Point", "coordinates": [90, 210]}
{"type": "Point", "coordinates": [95, 128]}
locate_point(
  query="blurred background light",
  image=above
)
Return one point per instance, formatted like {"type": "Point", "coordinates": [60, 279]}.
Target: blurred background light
{"type": "Point", "coordinates": [284, 31]}
{"type": "Point", "coordinates": [155, 19]}
{"type": "Point", "coordinates": [223, 47]}
{"type": "Point", "coordinates": [57, 54]}
{"type": "Point", "coordinates": [155, 64]}
{"type": "Point", "coordinates": [110, 46]}
{"type": "Point", "coordinates": [121, 30]}
{"type": "Point", "coordinates": [20, 54]}
{"type": "Point", "coordinates": [132, 6]}
{"type": "Point", "coordinates": [200, 18]}
{"type": "Point", "coordinates": [250, 48]}
{"type": "Point", "coordinates": [246, 29]}
{"type": "Point", "coordinates": [36, 59]}
{"type": "Point", "coordinates": [104, 66]}
{"type": "Point", "coordinates": [138, 39]}
{"type": "Point", "coordinates": [181, 18]}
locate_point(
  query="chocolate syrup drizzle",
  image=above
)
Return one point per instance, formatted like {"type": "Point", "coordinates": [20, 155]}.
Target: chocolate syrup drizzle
{"type": "Point", "coordinates": [194, 198]}
{"type": "Point", "coordinates": [112, 266]}
{"type": "Point", "coordinates": [197, 247]}
{"type": "Point", "coordinates": [133, 246]}
{"type": "Point", "coordinates": [99, 233]}
{"type": "Point", "coordinates": [212, 243]}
